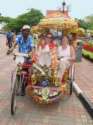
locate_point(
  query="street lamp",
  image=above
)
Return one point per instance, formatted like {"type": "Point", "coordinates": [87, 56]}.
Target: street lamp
{"type": "Point", "coordinates": [63, 5]}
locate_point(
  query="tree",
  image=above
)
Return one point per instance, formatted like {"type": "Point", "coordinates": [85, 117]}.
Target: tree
{"type": "Point", "coordinates": [83, 24]}
{"type": "Point", "coordinates": [5, 19]}
{"type": "Point", "coordinates": [89, 20]}
{"type": "Point", "coordinates": [86, 23]}
{"type": "Point", "coordinates": [32, 17]}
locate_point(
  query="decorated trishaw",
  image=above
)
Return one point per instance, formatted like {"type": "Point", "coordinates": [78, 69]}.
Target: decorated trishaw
{"type": "Point", "coordinates": [41, 82]}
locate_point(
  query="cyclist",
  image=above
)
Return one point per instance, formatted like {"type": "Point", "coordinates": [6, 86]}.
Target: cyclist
{"type": "Point", "coordinates": [9, 39]}
{"type": "Point", "coordinates": [24, 42]}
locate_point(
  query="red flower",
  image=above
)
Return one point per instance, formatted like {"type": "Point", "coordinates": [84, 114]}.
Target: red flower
{"type": "Point", "coordinates": [88, 47]}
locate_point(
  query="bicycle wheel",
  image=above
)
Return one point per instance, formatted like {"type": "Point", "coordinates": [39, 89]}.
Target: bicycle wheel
{"type": "Point", "coordinates": [13, 98]}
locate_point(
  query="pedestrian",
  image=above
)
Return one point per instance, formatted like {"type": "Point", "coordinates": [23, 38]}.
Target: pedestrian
{"type": "Point", "coordinates": [9, 39]}
{"type": "Point", "coordinates": [77, 45]}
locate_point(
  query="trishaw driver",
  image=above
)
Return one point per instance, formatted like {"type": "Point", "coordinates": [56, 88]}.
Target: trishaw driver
{"type": "Point", "coordinates": [24, 40]}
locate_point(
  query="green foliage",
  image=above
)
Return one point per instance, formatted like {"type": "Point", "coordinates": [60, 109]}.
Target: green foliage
{"type": "Point", "coordinates": [83, 24]}
{"type": "Point", "coordinates": [5, 19]}
{"type": "Point", "coordinates": [90, 21]}
{"type": "Point", "coordinates": [87, 23]}
{"type": "Point", "coordinates": [32, 17]}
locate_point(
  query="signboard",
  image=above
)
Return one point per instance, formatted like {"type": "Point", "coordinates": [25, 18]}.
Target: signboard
{"type": "Point", "coordinates": [56, 13]}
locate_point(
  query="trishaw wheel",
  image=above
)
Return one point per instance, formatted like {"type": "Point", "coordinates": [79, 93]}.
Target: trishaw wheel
{"type": "Point", "coordinates": [69, 87]}
{"type": "Point", "coordinates": [13, 99]}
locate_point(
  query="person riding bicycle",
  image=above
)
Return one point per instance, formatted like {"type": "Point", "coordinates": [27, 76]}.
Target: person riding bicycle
{"type": "Point", "coordinates": [24, 42]}
{"type": "Point", "coordinates": [9, 39]}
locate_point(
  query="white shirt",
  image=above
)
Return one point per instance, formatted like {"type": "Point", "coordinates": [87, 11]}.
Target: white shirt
{"type": "Point", "coordinates": [65, 53]}
{"type": "Point", "coordinates": [44, 57]}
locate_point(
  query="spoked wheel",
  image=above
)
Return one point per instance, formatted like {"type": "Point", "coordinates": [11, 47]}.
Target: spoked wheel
{"type": "Point", "coordinates": [13, 100]}
{"type": "Point", "coordinates": [13, 96]}
{"type": "Point", "coordinates": [69, 87]}
{"type": "Point", "coordinates": [70, 81]}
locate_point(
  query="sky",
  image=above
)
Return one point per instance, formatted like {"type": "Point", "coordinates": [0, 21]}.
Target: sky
{"type": "Point", "coordinates": [13, 8]}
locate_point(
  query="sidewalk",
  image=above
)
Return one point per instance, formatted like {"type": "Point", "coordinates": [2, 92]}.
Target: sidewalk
{"type": "Point", "coordinates": [84, 78]}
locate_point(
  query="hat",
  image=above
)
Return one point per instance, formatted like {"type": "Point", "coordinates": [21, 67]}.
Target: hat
{"type": "Point", "coordinates": [26, 27]}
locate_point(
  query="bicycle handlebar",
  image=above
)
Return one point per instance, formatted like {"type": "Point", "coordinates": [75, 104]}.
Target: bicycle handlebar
{"type": "Point", "coordinates": [20, 54]}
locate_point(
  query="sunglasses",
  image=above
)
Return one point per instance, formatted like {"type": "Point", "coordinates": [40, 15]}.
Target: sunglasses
{"type": "Point", "coordinates": [26, 30]}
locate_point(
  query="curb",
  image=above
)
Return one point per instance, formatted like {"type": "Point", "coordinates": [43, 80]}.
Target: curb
{"type": "Point", "coordinates": [83, 98]}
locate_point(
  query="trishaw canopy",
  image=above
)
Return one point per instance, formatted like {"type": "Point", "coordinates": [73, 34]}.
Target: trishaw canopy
{"type": "Point", "coordinates": [78, 31]}
{"type": "Point", "coordinates": [58, 20]}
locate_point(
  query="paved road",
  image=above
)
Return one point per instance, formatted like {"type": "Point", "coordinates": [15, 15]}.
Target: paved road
{"type": "Point", "coordinates": [84, 77]}
{"type": "Point", "coordinates": [68, 111]}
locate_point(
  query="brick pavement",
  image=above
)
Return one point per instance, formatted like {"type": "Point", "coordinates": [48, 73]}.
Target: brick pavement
{"type": "Point", "coordinates": [69, 111]}
{"type": "Point", "coordinates": [84, 77]}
